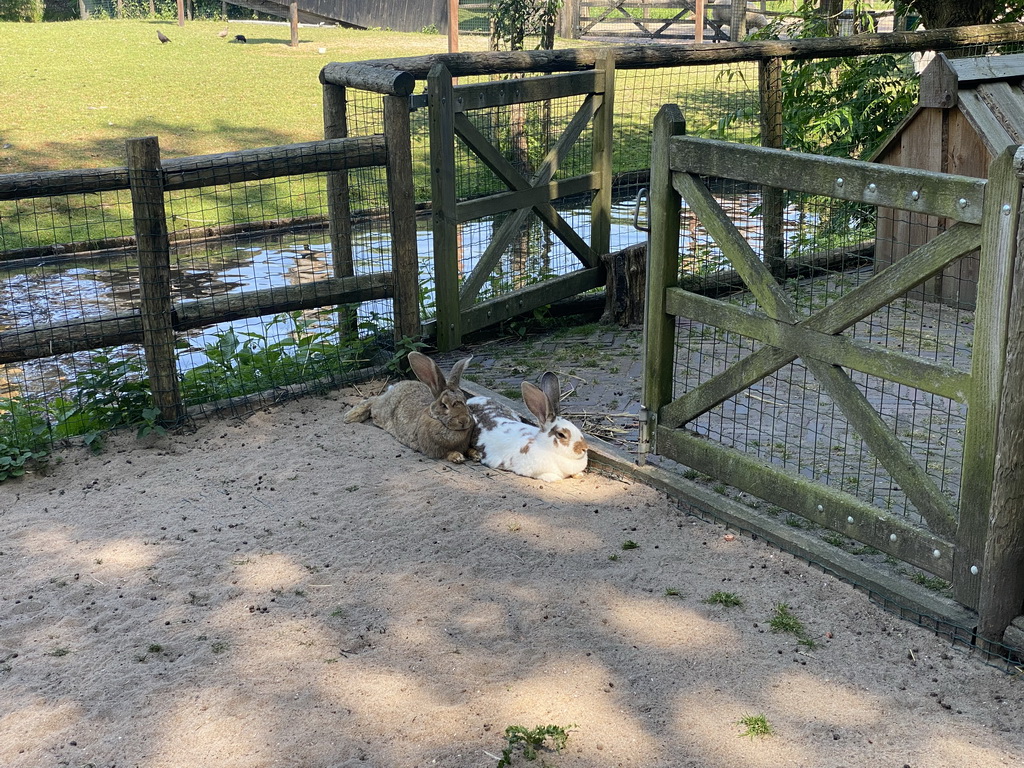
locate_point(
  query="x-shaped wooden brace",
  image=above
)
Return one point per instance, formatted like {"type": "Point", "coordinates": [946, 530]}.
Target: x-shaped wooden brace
{"type": "Point", "coordinates": [510, 175]}
{"type": "Point", "coordinates": [788, 337]}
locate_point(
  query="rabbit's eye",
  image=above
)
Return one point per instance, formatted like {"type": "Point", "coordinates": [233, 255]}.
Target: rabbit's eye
{"type": "Point", "coordinates": [562, 434]}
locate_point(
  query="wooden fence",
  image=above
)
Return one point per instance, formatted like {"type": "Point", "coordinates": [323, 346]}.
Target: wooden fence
{"type": "Point", "coordinates": [157, 318]}
{"type": "Point", "coordinates": [957, 542]}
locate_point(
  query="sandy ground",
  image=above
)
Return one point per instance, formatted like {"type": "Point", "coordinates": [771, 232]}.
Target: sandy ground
{"type": "Point", "coordinates": [290, 590]}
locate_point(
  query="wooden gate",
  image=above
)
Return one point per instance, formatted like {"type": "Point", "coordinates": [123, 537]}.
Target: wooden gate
{"type": "Point", "coordinates": [458, 309]}
{"type": "Point", "coordinates": [944, 538]}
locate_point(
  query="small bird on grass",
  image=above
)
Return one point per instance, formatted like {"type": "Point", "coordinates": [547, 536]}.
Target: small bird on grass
{"type": "Point", "coordinates": [239, 38]}
{"type": "Point", "coordinates": [222, 33]}
{"type": "Point", "coordinates": [162, 37]}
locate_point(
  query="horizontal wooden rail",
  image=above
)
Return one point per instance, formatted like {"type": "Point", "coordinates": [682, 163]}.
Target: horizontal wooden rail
{"type": "Point", "coordinates": [368, 78]}
{"type": "Point", "coordinates": [208, 170]}
{"type": "Point", "coordinates": [655, 56]}
{"type": "Point", "coordinates": [478, 208]}
{"type": "Point", "coordinates": [523, 90]}
{"type": "Point", "coordinates": [126, 327]}
{"type": "Point", "coordinates": [956, 197]}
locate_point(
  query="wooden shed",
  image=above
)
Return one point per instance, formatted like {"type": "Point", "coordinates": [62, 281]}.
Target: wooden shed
{"type": "Point", "coordinates": [969, 111]}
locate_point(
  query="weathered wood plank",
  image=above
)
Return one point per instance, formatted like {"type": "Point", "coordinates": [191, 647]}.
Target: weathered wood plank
{"type": "Point", "coordinates": [523, 90]}
{"type": "Point", "coordinates": [270, 162]}
{"type": "Point", "coordinates": [402, 217]}
{"type": "Point", "coordinates": [991, 323]}
{"type": "Point", "coordinates": [486, 313]}
{"type": "Point", "coordinates": [603, 133]}
{"type": "Point", "coordinates": [770, 89]}
{"type": "Point", "coordinates": [154, 249]}
{"type": "Point", "coordinates": [662, 274]}
{"type": "Point", "coordinates": [1002, 574]}
{"type": "Point", "coordinates": [368, 78]}
{"type": "Point", "coordinates": [824, 505]}
{"type": "Point", "coordinates": [501, 202]}
{"type": "Point", "coordinates": [658, 56]}
{"type": "Point", "coordinates": [444, 212]}
{"type": "Point", "coordinates": [959, 198]}
{"type": "Point", "coordinates": [834, 349]}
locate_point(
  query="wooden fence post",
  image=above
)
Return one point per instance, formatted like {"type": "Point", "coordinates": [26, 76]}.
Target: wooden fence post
{"type": "Point", "coordinates": [1002, 574]}
{"type": "Point", "coordinates": [402, 216]}
{"type": "Point", "coordinates": [604, 127]}
{"type": "Point", "coordinates": [339, 210]}
{"type": "Point", "coordinates": [995, 281]}
{"type": "Point", "coordinates": [662, 273]}
{"type": "Point", "coordinates": [338, 207]}
{"type": "Point", "coordinates": [569, 20]}
{"type": "Point", "coordinates": [146, 181]}
{"type": "Point", "coordinates": [445, 218]}
{"type": "Point", "coordinates": [770, 81]}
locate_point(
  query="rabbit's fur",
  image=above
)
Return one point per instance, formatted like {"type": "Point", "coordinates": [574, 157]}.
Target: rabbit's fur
{"type": "Point", "coordinates": [429, 415]}
{"type": "Point", "coordinates": [554, 450]}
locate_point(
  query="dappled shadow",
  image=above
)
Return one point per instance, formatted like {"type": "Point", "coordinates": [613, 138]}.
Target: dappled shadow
{"type": "Point", "coordinates": [296, 590]}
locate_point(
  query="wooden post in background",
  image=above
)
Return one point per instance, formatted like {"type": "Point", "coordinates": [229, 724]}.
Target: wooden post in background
{"type": "Point", "coordinates": [181, 13]}
{"type": "Point", "coordinates": [604, 126]}
{"type": "Point", "coordinates": [569, 20]}
{"type": "Point", "coordinates": [453, 26]}
{"type": "Point", "coordinates": [445, 215]}
{"type": "Point", "coordinates": [402, 214]}
{"type": "Point", "coordinates": [698, 21]}
{"type": "Point", "coordinates": [146, 181]}
{"type": "Point", "coordinates": [770, 86]}
{"type": "Point", "coordinates": [293, 22]}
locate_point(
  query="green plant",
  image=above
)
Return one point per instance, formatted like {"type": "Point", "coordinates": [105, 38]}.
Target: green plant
{"type": "Point", "coordinates": [672, 592]}
{"type": "Point", "coordinates": [531, 740]}
{"type": "Point", "coordinates": [727, 599]}
{"type": "Point", "coordinates": [110, 393]}
{"type": "Point", "coordinates": [24, 436]}
{"type": "Point", "coordinates": [933, 583]}
{"type": "Point", "coordinates": [630, 544]}
{"type": "Point", "coordinates": [783, 620]}
{"type": "Point", "coordinates": [755, 725]}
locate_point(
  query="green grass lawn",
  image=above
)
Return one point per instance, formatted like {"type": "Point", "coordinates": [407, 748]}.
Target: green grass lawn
{"type": "Point", "coordinates": [74, 91]}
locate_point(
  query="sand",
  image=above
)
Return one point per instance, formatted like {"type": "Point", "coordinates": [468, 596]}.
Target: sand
{"type": "Point", "coordinates": [291, 590]}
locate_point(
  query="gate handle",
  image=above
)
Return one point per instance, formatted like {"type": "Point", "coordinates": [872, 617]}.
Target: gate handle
{"type": "Point", "coordinates": [641, 199]}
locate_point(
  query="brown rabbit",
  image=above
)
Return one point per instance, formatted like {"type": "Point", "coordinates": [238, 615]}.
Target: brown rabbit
{"type": "Point", "coordinates": [429, 415]}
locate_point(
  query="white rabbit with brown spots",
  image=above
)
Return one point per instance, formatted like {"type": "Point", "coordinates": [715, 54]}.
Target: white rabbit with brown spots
{"type": "Point", "coordinates": [553, 450]}
{"type": "Point", "coordinates": [429, 415]}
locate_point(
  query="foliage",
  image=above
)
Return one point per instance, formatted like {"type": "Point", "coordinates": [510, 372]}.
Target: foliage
{"type": "Point", "coordinates": [513, 20]}
{"type": "Point", "coordinates": [783, 620]}
{"type": "Point", "coordinates": [843, 107]}
{"type": "Point", "coordinates": [531, 740]}
{"type": "Point", "coordinates": [726, 599]}
{"type": "Point", "coordinates": [110, 394]}
{"type": "Point", "coordinates": [21, 10]}
{"type": "Point", "coordinates": [307, 349]}
{"type": "Point", "coordinates": [24, 436]}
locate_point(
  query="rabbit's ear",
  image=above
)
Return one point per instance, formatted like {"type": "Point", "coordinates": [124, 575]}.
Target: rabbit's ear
{"type": "Point", "coordinates": [549, 383]}
{"type": "Point", "coordinates": [427, 371]}
{"type": "Point", "coordinates": [538, 402]}
{"type": "Point", "coordinates": [456, 374]}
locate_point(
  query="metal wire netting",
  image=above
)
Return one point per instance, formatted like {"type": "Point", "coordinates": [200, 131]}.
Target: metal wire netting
{"type": "Point", "coordinates": [70, 274]}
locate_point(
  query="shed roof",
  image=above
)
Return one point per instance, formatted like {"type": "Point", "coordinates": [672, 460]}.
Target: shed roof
{"type": "Point", "coordinates": [986, 89]}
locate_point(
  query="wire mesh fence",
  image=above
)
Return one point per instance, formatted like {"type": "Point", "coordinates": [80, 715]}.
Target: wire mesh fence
{"type": "Point", "coordinates": [250, 277]}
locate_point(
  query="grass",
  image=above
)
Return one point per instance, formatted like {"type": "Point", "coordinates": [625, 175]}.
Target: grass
{"type": "Point", "coordinates": [784, 621]}
{"type": "Point", "coordinates": [727, 599]}
{"type": "Point", "coordinates": [755, 726]}
{"type": "Point", "coordinates": [199, 93]}
{"type": "Point", "coordinates": [530, 740]}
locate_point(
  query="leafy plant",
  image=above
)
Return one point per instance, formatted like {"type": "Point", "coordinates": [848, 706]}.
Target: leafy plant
{"type": "Point", "coordinates": [110, 394]}
{"type": "Point", "coordinates": [531, 740]}
{"type": "Point", "coordinates": [24, 436]}
{"type": "Point", "coordinates": [755, 725]}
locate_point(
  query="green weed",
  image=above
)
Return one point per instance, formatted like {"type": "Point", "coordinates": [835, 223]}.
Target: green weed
{"type": "Point", "coordinates": [755, 726]}
{"type": "Point", "coordinates": [531, 740]}
{"type": "Point", "coordinates": [727, 599]}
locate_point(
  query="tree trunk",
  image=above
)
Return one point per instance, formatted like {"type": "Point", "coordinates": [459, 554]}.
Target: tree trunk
{"type": "Point", "coordinates": [940, 14]}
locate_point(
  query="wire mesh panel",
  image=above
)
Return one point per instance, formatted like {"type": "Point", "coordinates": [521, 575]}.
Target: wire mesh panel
{"type": "Point", "coordinates": [250, 274]}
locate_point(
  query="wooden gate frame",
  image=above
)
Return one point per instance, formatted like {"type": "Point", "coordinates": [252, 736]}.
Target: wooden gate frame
{"type": "Point", "coordinates": [986, 212]}
{"type": "Point", "coordinates": [458, 311]}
